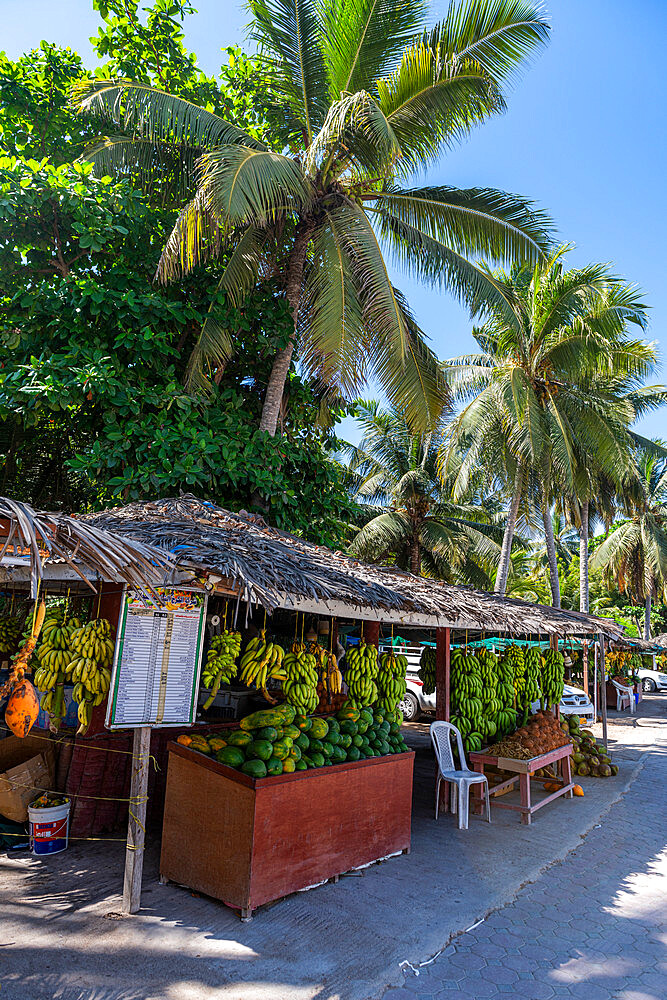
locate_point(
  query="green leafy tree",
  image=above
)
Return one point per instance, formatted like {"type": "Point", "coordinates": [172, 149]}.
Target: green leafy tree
{"type": "Point", "coordinates": [367, 98]}
{"type": "Point", "coordinates": [552, 386]}
{"type": "Point", "coordinates": [634, 555]}
{"type": "Point", "coordinates": [410, 519]}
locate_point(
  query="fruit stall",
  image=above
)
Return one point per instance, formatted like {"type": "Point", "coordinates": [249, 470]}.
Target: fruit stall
{"type": "Point", "coordinates": [287, 765]}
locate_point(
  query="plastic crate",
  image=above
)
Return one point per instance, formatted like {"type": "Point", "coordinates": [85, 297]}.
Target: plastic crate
{"type": "Point", "coordinates": [228, 704]}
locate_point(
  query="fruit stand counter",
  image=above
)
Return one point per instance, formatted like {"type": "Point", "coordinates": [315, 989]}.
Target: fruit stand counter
{"type": "Point", "coordinates": [249, 841]}
{"type": "Point", "coordinates": [522, 771]}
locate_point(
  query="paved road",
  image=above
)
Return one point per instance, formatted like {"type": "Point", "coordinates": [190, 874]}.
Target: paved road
{"type": "Point", "coordinates": [592, 927]}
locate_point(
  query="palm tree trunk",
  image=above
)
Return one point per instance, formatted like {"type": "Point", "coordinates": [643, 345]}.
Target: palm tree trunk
{"type": "Point", "coordinates": [276, 384]}
{"type": "Point", "coordinates": [551, 550]}
{"type": "Point", "coordinates": [648, 590]}
{"type": "Point", "coordinates": [415, 556]}
{"type": "Point", "coordinates": [508, 537]}
{"type": "Point", "coordinates": [583, 559]}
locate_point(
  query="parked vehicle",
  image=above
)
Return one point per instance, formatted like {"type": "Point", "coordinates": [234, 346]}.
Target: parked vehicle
{"type": "Point", "coordinates": [652, 680]}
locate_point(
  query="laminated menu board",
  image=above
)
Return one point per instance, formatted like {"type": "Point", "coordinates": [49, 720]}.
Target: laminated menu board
{"type": "Point", "coordinates": [158, 658]}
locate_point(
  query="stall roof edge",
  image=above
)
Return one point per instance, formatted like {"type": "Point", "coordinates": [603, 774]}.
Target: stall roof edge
{"type": "Point", "coordinates": [275, 569]}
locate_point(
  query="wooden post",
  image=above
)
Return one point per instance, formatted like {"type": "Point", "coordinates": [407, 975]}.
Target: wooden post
{"type": "Point", "coordinates": [442, 673]}
{"type": "Point", "coordinates": [372, 633]}
{"type": "Point", "coordinates": [585, 662]}
{"type": "Point", "coordinates": [603, 690]}
{"type": "Point", "coordinates": [136, 827]}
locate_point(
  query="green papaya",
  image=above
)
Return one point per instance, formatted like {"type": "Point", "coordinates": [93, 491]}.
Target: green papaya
{"type": "Point", "coordinates": [345, 741]}
{"type": "Point", "coordinates": [281, 748]}
{"type": "Point", "coordinates": [333, 738]}
{"type": "Point", "coordinates": [274, 766]}
{"type": "Point", "coordinates": [334, 725]}
{"type": "Point", "coordinates": [267, 717]}
{"type": "Point", "coordinates": [289, 765]}
{"type": "Point", "coordinates": [287, 711]}
{"type": "Point", "coordinates": [239, 738]}
{"type": "Point", "coordinates": [353, 753]}
{"type": "Point", "coordinates": [348, 713]}
{"type": "Point", "coordinates": [319, 728]}
{"type": "Point", "coordinates": [338, 755]}
{"type": "Point", "coordinates": [260, 749]}
{"type": "Point", "coordinates": [315, 745]}
{"type": "Point", "coordinates": [300, 765]}
{"type": "Point", "coordinates": [357, 741]}
{"type": "Point", "coordinates": [292, 731]}
{"type": "Point", "coordinates": [349, 726]}
{"type": "Point", "coordinates": [317, 759]}
{"type": "Point", "coordinates": [295, 752]}
{"type": "Point", "coordinates": [254, 768]}
{"type": "Point", "coordinates": [269, 733]}
{"type": "Point", "coordinates": [302, 741]}
{"type": "Point", "coordinates": [303, 723]}
{"type": "Point", "coordinates": [232, 756]}
{"type": "Point", "coordinates": [327, 749]}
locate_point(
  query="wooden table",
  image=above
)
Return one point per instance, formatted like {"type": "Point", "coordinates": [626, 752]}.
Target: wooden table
{"type": "Point", "coordinates": [250, 841]}
{"type": "Point", "coordinates": [522, 771]}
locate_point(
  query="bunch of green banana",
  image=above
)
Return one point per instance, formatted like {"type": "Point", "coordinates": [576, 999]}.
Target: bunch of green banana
{"type": "Point", "coordinates": [10, 633]}
{"type": "Point", "coordinates": [531, 680]}
{"type": "Point", "coordinates": [220, 666]}
{"type": "Point", "coordinates": [553, 676]}
{"type": "Point", "coordinates": [466, 693]}
{"type": "Point", "coordinates": [300, 685]}
{"type": "Point", "coordinates": [513, 663]}
{"type": "Point", "coordinates": [261, 662]}
{"type": "Point", "coordinates": [90, 667]}
{"type": "Point", "coordinates": [427, 669]}
{"type": "Point", "coordinates": [360, 675]}
{"type": "Point", "coordinates": [391, 681]}
{"type": "Point", "coordinates": [54, 651]}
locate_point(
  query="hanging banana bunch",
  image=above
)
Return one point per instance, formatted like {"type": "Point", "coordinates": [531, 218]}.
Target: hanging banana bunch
{"type": "Point", "coordinates": [466, 694]}
{"type": "Point", "coordinates": [54, 654]}
{"type": "Point", "coordinates": [427, 669]}
{"type": "Point", "coordinates": [10, 633]}
{"type": "Point", "coordinates": [553, 676]}
{"type": "Point", "coordinates": [360, 675]}
{"type": "Point", "coordinates": [333, 679]}
{"type": "Point", "coordinates": [391, 681]}
{"type": "Point", "coordinates": [302, 677]}
{"type": "Point", "coordinates": [90, 667]}
{"type": "Point", "coordinates": [220, 666]}
{"type": "Point", "coordinates": [261, 662]}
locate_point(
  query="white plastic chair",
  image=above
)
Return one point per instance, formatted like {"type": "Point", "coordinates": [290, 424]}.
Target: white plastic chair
{"type": "Point", "coordinates": [624, 694]}
{"type": "Point", "coordinates": [441, 733]}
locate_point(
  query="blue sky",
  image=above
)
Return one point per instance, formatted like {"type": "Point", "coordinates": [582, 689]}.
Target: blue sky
{"type": "Point", "coordinates": [584, 135]}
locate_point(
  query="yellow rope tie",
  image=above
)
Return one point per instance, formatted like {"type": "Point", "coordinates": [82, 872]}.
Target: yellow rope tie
{"type": "Point", "coordinates": [65, 739]}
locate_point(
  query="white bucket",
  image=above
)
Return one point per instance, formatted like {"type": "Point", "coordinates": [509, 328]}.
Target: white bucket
{"type": "Point", "coordinates": [49, 828]}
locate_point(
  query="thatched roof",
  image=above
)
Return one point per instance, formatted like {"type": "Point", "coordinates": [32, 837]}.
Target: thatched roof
{"type": "Point", "coordinates": [30, 538]}
{"type": "Point", "coordinates": [275, 569]}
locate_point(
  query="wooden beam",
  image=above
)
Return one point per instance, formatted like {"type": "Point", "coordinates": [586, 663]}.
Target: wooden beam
{"type": "Point", "coordinates": [585, 662]}
{"type": "Point", "coordinates": [442, 673]}
{"type": "Point", "coordinates": [603, 689]}
{"type": "Point", "coordinates": [136, 827]}
{"type": "Point", "coordinates": [372, 633]}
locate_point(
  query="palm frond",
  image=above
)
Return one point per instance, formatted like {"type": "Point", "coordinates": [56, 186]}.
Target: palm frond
{"type": "Point", "coordinates": [149, 113]}
{"type": "Point", "coordinates": [289, 36]}
{"type": "Point", "coordinates": [361, 39]}
{"type": "Point", "coordinates": [195, 239]}
{"type": "Point", "coordinates": [355, 134]}
{"type": "Point", "coordinates": [248, 186]}
{"type": "Point", "coordinates": [382, 536]}
{"type": "Point", "coordinates": [157, 166]}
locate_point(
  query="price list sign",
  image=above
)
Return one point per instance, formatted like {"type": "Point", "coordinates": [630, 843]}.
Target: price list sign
{"type": "Point", "coordinates": [158, 657]}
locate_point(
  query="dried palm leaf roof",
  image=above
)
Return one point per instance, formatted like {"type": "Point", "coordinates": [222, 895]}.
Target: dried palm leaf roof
{"type": "Point", "coordinates": [275, 569]}
{"type": "Point", "coordinates": [37, 537]}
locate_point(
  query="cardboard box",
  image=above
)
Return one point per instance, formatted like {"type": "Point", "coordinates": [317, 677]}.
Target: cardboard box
{"type": "Point", "coordinates": [27, 766]}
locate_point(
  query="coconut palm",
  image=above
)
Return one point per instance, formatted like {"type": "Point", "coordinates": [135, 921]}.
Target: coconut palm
{"type": "Point", "coordinates": [412, 520]}
{"type": "Point", "coordinates": [369, 98]}
{"type": "Point", "coordinates": [552, 384]}
{"type": "Point", "coordinates": [634, 555]}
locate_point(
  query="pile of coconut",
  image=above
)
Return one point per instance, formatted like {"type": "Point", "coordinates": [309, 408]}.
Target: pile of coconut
{"type": "Point", "coordinates": [589, 757]}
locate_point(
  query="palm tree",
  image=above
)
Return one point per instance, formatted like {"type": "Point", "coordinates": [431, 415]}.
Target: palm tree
{"type": "Point", "coordinates": [634, 555]}
{"type": "Point", "coordinates": [550, 385]}
{"type": "Point", "coordinates": [368, 98]}
{"type": "Point", "coordinates": [412, 519]}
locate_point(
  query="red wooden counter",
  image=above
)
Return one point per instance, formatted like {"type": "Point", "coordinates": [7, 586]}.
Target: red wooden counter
{"type": "Point", "coordinates": [249, 841]}
{"type": "Point", "coordinates": [523, 769]}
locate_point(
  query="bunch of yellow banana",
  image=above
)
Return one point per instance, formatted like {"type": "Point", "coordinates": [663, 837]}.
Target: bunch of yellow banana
{"type": "Point", "coordinates": [261, 662]}
{"type": "Point", "coordinates": [90, 668]}
{"type": "Point", "coordinates": [220, 666]}
{"type": "Point", "coordinates": [10, 632]}
{"type": "Point", "coordinates": [333, 678]}
{"type": "Point", "coordinates": [361, 673]}
{"type": "Point", "coordinates": [391, 680]}
{"type": "Point", "coordinates": [300, 685]}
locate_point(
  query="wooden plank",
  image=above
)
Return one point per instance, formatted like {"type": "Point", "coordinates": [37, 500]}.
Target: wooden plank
{"type": "Point", "coordinates": [585, 662]}
{"type": "Point", "coordinates": [603, 690]}
{"type": "Point", "coordinates": [442, 673]}
{"type": "Point", "coordinates": [136, 827]}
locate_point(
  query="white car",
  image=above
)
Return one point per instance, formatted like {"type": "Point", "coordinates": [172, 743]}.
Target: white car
{"type": "Point", "coordinates": [415, 702]}
{"type": "Point", "coordinates": [576, 702]}
{"type": "Point", "coordinates": [652, 680]}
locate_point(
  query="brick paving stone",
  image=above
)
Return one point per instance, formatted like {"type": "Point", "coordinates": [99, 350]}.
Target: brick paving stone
{"type": "Point", "coordinates": [587, 929]}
